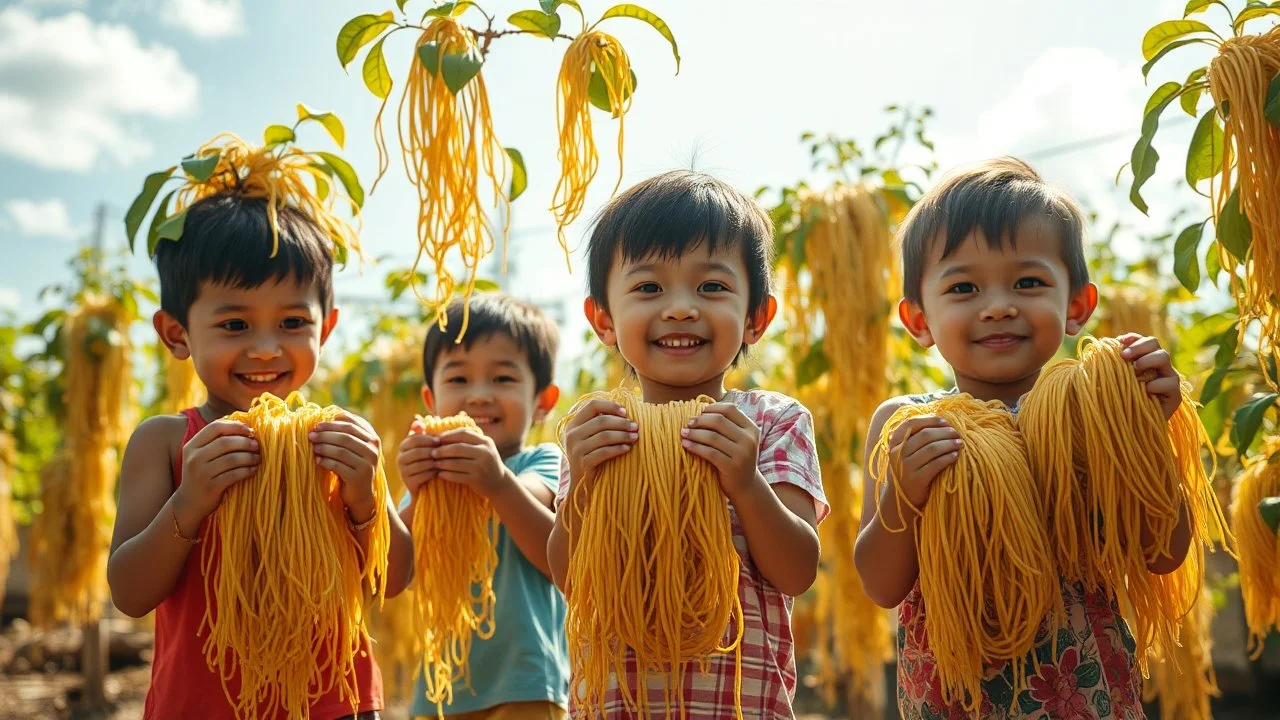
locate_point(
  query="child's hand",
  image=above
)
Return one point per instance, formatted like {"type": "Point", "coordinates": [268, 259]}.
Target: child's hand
{"type": "Point", "coordinates": [1149, 358]}
{"type": "Point", "coordinates": [220, 455]}
{"type": "Point", "coordinates": [919, 449]}
{"type": "Point", "coordinates": [470, 459]}
{"type": "Point", "coordinates": [414, 458]}
{"type": "Point", "coordinates": [601, 431]}
{"type": "Point", "coordinates": [727, 439]}
{"type": "Point", "coordinates": [350, 448]}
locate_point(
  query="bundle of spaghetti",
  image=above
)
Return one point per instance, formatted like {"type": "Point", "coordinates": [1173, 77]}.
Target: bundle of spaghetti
{"type": "Point", "coordinates": [987, 576]}
{"type": "Point", "coordinates": [182, 386]}
{"type": "Point", "coordinates": [591, 51]}
{"type": "Point", "coordinates": [8, 523]}
{"type": "Point", "coordinates": [653, 572]}
{"type": "Point", "coordinates": [393, 404]}
{"type": "Point", "coordinates": [72, 535]}
{"type": "Point", "coordinates": [447, 144]}
{"type": "Point", "coordinates": [1184, 679]}
{"type": "Point", "coordinates": [1239, 77]}
{"type": "Point", "coordinates": [277, 174]}
{"type": "Point", "coordinates": [284, 576]}
{"type": "Point", "coordinates": [855, 629]}
{"type": "Point", "coordinates": [1122, 472]}
{"type": "Point", "coordinates": [1259, 545]}
{"type": "Point", "coordinates": [455, 546]}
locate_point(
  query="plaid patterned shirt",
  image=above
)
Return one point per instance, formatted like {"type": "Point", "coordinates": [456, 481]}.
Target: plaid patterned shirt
{"type": "Point", "coordinates": [787, 455]}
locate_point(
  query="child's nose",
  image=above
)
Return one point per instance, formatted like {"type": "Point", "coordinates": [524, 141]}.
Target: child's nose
{"type": "Point", "coordinates": [1000, 309]}
{"type": "Point", "coordinates": [681, 309]}
{"type": "Point", "coordinates": [265, 348]}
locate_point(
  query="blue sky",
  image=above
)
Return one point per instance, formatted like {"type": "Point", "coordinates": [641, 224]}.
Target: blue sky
{"type": "Point", "coordinates": [94, 94]}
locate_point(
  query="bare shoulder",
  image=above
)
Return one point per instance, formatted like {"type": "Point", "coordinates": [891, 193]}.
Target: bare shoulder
{"type": "Point", "coordinates": [157, 438]}
{"type": "Point", "coordinates": [879, 418]}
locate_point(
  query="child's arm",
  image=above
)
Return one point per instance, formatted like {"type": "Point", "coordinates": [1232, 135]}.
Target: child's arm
{"type": "Point", "coordinates": [923, 447]}
{"type": "Point", "coordinates": [350, 448]}
{"type": "Point", "coordinates": [147, 554]}
{"type": "Point", "coordinates": [600, 431]}
{"type": "Point", "coordinates": [779, 519]}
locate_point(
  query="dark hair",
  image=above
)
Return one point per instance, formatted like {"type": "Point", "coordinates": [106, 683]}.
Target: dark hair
{"type": "Point", "coordinates": [673, 213]}
{"type": "Point", "coordinates": [495, 313]}
{"type": "Point", "coordinates": [993, 197]}
{"type": "Point", "coordinates": [226, 240]}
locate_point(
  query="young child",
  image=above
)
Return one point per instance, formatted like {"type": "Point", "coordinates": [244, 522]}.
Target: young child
{"type": "Point", "coordinates": [251, 323]}
{"type": "Point", "coordinates": [501, 375]}
{"type": "Point", "coordinates": [994, 274]}
{"type": "Point", "coordinates": [679, 269]}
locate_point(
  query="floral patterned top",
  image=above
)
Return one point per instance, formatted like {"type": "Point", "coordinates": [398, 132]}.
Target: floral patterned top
{"type": "Point", "coordinates": [1090, 672]}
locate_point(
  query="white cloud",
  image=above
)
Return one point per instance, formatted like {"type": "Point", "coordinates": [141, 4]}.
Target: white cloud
{"type": "Point", "coordinates": [69, 88]}
{"type": "Point", "coordinates": [9, 299]}
{"type": "Point", "coordinates": [47, 218]}
{"type": "Point", "coordinates": [205, 18]}
{"type": "Point", "coordinates": [54, 3]}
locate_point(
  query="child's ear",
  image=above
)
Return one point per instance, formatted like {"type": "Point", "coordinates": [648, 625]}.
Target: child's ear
{"type": "Point", "coordinates": [758, 323]}
{"type": "Point", "coordinates": [329, 322]}
{"type": "Point", "coordinates": [545, 402]}
{"type": "Point", "coordinates": [1080, 308]}
{"type": "Point", "coordinates": [600, 322]}
{"type": "Point", "coordinates": [172, 334]}
{"type": "Point", "coordinates": [912, 317]}
{"type": "Point", "coordinates": [428, 399]}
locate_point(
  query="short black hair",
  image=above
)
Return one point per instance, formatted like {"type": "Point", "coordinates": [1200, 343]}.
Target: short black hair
{"type": "Point", "coordinates": [492, 314]}
{"type": "Point", "coordinates": [227, 239]}
{"type": "Point", "coordinates": [993, 197]}
{"type": "Point", "coordinates": [674, 213]}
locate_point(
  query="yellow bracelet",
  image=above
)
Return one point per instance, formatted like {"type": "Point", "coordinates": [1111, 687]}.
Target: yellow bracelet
{"type": "Point", "coordinates": [177, 531]}
{"type": "Point", "coordinates": [357, 527]}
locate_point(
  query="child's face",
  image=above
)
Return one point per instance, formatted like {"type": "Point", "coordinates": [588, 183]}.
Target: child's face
{"type": "Point", "coordinates": [492, 382]}
{"type": "Point", "coordinates": [245, 342]}
{"type": "Point", "coordinates": [998, 315]}
{"type": "Point", "coordinates": [679, 322]}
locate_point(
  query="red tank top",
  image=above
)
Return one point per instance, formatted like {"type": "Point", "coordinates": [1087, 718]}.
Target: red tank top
{"type": "Point", "coordinates": [182, 685]}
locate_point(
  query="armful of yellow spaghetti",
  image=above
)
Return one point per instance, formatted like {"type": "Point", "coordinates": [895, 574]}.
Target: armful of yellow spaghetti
{"type": "Point", "coordinates": [779, 521]}
{"type": "Point", "coordinates": [1153, 363]}
{"type": "Point", "coordinates": [599, 432]}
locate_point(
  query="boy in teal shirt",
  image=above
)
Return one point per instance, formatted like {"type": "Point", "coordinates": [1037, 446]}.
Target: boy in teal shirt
{"type": "Point", "coordinates": [500, 375]}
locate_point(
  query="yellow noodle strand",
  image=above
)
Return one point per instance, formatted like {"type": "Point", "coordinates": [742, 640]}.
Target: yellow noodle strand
{"type": "Point", "coordinates": [1259, 545]}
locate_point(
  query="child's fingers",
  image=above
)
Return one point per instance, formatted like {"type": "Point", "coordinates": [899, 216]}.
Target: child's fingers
{"type": "Point", "coordinates": [347, 456]}
{"type": "Point", "coordinates": [932, 451]}
{"type": "Point", "coordinates": [461, 435]}
{"type": "Point", "coordinates": [938, 464]}
{"type": "Point", "coordinates": [419, 467]}
{"type": "Point", "coordinates": [342, 469]}
{"type": "Point", "coordinates": [217, 429]}
{"type": "Point", "coordinates": [417, 427]}
{"type": "Point", "coordinates": [1165, 386]}
{"type": "Point", "coordinates": [456, 450]}
{"type": "Point", "coordinates": [414, 454]}
{"type": "Point", "coordinates": [232, 461]}
{"type": "Point", "coordinates": [710, 453]}
{"type": "Point", "coordinates": [414, 442]}
{"type": "Point", "coordinates": [1139, 347]}
{"type": "Point", "coordinates": [358, 422]}
{"type": "Point", "coordinates": [601, 455]}
{"type": "Point", "coordinates": [225, 480]}
{"type": "Point", "coordinates": [224, 444]}
{"type": "Point", "coordinates": [1128, 339]}
{"type": "Point", "coordinates": [349, 429]}
{"type": "Point", "coordinates": [729, 411]}
{"type": "Point", "coordinates": [350, 443]}
{"type": "Point", "coordinates": [914, 425]}
{"type": "Point", "coordinates": [707, 438]}
{"type": "Point", "coordinates": [1157, 360]}
{"type": "Point", "coordinates": [596, 408]}
{"type": "Point", "coordinates": [603, 425]}
{"type": "Point", "coordinates": [928, 436]}
{"type": "Point", "coordinates": [607, 438]}
{"type": "Point", "coordinates": [716, 422]}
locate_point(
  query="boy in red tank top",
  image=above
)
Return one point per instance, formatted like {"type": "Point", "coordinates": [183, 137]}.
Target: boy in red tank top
{"type": "Point", "coordinates": [252, 319]}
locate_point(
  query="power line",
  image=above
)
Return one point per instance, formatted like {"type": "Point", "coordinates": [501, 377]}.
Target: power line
{"type": "Point", "coordinates": [1086, 143]}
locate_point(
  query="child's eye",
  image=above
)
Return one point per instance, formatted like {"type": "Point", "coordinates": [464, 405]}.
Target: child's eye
{"type": "Point", "coordinates": [647, 288]}
{"type": "Point", "coordinates": [234, 325]}
{"type": "Point", "coordinates": [295, 323]}
{"type": "Point", "coordinates": [1028, 283]}
{"type": "Point", "coordinates": [456, 380]}
{"type": "Point", "coordinates": [506, 379]}
{"type": "Point", "coordinates": [712, 286]}
{"type": "Point", "coordinates": [963, 288]}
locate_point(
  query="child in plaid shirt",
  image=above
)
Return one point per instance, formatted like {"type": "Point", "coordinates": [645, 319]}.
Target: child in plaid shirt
{"type": "Point", "coordinates": [679, 269]}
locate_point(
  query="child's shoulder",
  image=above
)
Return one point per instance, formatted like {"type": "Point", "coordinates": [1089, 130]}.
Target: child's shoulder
{"type": "Point", "coordinates": [158, 436]}
{"type": "Point", "coordinates": [766, 403]}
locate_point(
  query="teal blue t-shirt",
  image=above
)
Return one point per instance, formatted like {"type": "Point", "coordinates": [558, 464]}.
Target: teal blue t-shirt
{"type": "Point", "coordinates": [527, 659]}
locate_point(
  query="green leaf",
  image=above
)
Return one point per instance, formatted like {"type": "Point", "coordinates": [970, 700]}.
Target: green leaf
{"type": "Point", "coordinates": [277, 134]}
{"type": "Point", "coordinates": [401, 3]}
{"type": "Point", "coordinates": [598, 90]}
{"type": "Point", "coordinates": [639, 13]}
{"type": "Point", "coordinates": [328, 120]}
{"type": "Point", "coordinates": [456, 69]}
{"type": "Point", "coordinates": [322, 188]}
{"type": "Point", "coordinates": [1212, 263]}
{"type": "Point", "coordinates": [201, 169]}
{"type": "Point", "coordinates": [346, 175]}
{"type": "Point", "coordinates": [1186, 263]}
{"type": "Point", "coordinates": [358, 32]}
{"type": "Point", "coordinates": [1269, 509]}
{"type": "Point", "coordinates": [519, 176]}
{"type": "Point", "coordinates": [483, 285]}
{"type": "Point", "coordinates": [171, 228]}
{"type": "Point", "coordinates": [1088, 674]}
{"type": "Point", "coordinates": [142, 203]}
{"type": "Point", "coordinates": [1272, 107]}
{"type": "Point", "coordinates": [1168, 31]}
{"type": "Point", "coordinates": [1234, 231]}
{"type": "Point", "coordinates": [537, 22]}
{"type": "Point", "coordinates": [1204, 154]}
{"type": "Point", "coordinates": [153, 232]}
{"type": "Point", "coordinates": [1146, 68]}
{"type": "Point", "coordinates": [1247, 420]}
{"type": "Point", "coordinates": [376, 75]}
{"type": "Point", "coordinates": [1195, 86]}
{"type": "Point", "coordinates": [1252, 13]}
{"type": "Point", "coordinates": [1196, 6]}
{"type": "Point", "coordinates": [450, 9]}
{"type": "Point", "coordinates": [1143, 159]}
{"type": "Point", "coordinates": [814, 364]}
